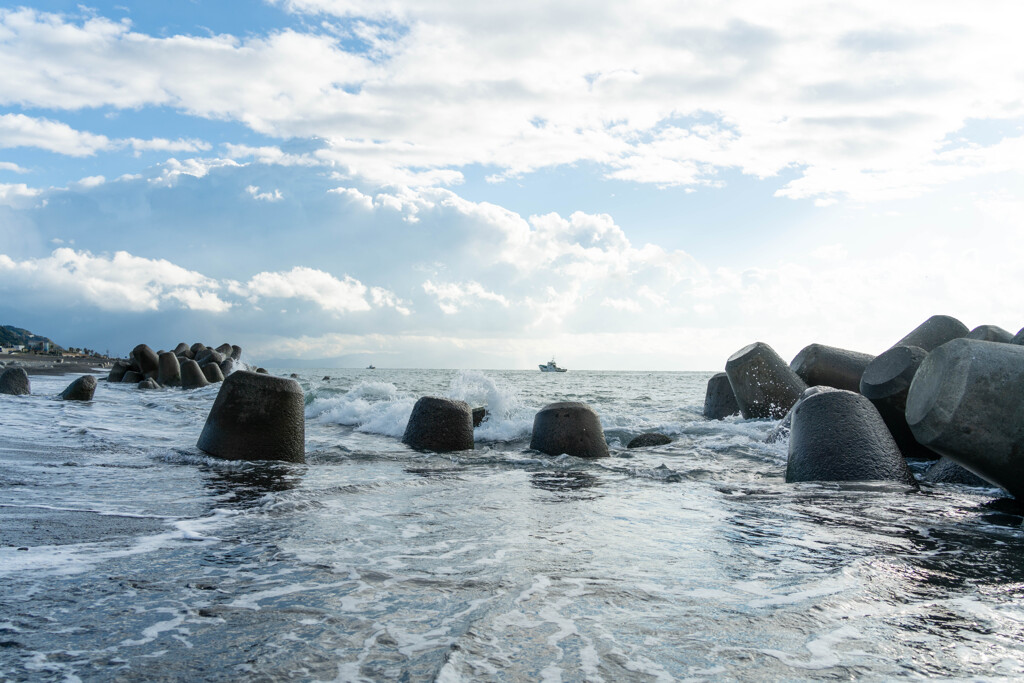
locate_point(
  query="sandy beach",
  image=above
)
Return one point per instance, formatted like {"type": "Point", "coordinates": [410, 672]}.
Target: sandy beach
{"type": "Point", "coordinates": [54, 365]}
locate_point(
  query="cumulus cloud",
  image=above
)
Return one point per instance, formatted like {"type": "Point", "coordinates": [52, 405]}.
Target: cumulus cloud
{"type": "Point", "coordinates": [16, 194]}
{"type": "Point", "coordinates": [858, 101]}
{"type": "Point", "coordinates": [343, 295]}
{"type": "Point", "coordinates": [259, 195]}
{"type": "Point", "coordinates": [452, 296]}
{"type": "Point", "coordinates": [11, 166]}
{"type": "Point", "coordinates": [18, 130]}
{"type": "Point", "coordinates": [121, 282]}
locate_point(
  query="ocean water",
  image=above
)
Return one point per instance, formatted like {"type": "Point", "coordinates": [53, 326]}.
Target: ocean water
{"type": "Point", "coordinates": [127, 554]}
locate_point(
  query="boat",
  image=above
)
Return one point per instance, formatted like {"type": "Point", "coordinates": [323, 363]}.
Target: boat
{"type": "Point", "coordinates": [371, 367]}
{"type": "Point", "coordinates": [551, 366]}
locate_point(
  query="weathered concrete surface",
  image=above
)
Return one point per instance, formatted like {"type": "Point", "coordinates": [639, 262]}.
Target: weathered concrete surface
{"type": "Point", "coordinates": [649, 439]}
{"type": "Point", "coordinates": [569, 427]}
{"type": "Point", "coordinates": [886, 382]}
{"type": "Point", "coordinates": [817, 364]}
{"type": "Point", "coordinates": [934, 332]}
{"type": "Point", "coordinates": [764, 384]}
{"type": "Point", "coordinates": [440, 424]}
{"type": "Point", "coordinates": [967, 403]}
{"type": "Point", "coordinates": [839, 436]}
{"type": "Point", "coordinates": [256, 417]}
{"type": "Point", "coordinates": [719, 399]}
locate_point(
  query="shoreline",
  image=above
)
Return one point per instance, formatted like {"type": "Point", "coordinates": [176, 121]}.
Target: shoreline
{"type": "Point", "coordinates": [55, 365]}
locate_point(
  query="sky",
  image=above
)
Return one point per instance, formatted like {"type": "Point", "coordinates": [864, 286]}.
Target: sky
{"type": "Point", "coordinates": [625, 186]}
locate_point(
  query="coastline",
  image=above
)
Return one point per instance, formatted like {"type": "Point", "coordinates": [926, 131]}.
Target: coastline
{"type": "Point", "coordinates": [55, 365]}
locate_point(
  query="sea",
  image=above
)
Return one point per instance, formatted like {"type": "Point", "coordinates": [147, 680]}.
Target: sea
{"type": "Point", "coordinates": [127, 554]}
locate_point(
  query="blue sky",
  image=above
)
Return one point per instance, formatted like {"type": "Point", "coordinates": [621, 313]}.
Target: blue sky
{"type": "Point", "coordinates": [435, 185]}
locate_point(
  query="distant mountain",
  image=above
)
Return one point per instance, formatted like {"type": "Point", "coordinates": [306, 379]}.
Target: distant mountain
{"type": "Point", "coordinates": [16, 336]}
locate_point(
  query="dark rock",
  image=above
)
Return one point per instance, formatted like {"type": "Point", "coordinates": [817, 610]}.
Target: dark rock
{"type": "Point", "coordinates": [764, 385]}
{"type": "Point", "coordinates": [569, 427]}
{"type": "Point", "coordinates": [886, 382]}
{"type": "Point", "coordinates": [1018, 338]}
{"type": "Point", "coordinates": [224, 349]}
{"type": "Point", "coordinates": [192, 376]}
{"type": "Point", "coordinates": [294, 376]}
{"type": "Point", "coordinates": [992, 333]}
{"type": "Point", "coordinates": [14, 381]}
{"type": "Point", "coordinates": [132, 377]}
{"type": "Point", "coordinates": [145, 358]}
{"type": "Point", "coordinates": [236, 352]}
{"type": "Point", "coordinates": [719, 401]}
{"type": "Point", "coordinates": [781, 430]}
{"type": "Point", "coordinates": [182, 350]}
{"type": "Point", "coordinates": [478, 414]}
{"type": "Point", "coordinates": [152, 374]}
{"type": "Point", "coordinates": [967, 403]}
{"type": "Point", "coordinates": [149, 384]}
{"type": "Point", "coordinates": [195, 349]}
{"type": "Point", "coordinates": [117, 372]}
{"type": "Point", "coordinates": [256, 417]}
{"type": "Point", "coordinates": [819, 364]}
{"type": "Point", "coordinates": [326, 378]}
{"type": "Point", "coordinates": [82, 389]}
{"type": "Point", "coordinates": [934, 332]}
{"type": "Point", "coordinates": [212, 373]}
{"type": "Point", "coordinates": [839, 436]}
{"type": "Point", "coordinates": [262, 371]}
{"type": "Point", "coordinates": [648, 439]}
{"type": "Point", "coordinates": [170, 370]}
{"type": "Point", "coordinates": [946, 471]}
{"type": "Point", "coordinates": [439, 424]}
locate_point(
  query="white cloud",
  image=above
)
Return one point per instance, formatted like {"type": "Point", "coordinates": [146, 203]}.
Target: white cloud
{"type": "Point", "coordinates": [90, 181]}
{"type": "Point", "coordinates": [354, 196]}
{"type": "Point", "coordinates": [121, 282]}
{"type": "Point", "coordinates": [197, 168]}
{"type": "Point", "coordinates": [165, 145]}
{"type": "Point", "coordinates": [259, 195]}
{"type": "Point", "coordinates": [17, 194]}
{"type": "Point", "coordinates": [859, 100]}
{"type": "Point", "coordinates": [10, 166]}
{"type": "Point", "coordinates": [326, 291]}
{"type": "Point", "coordinates": [18, 130]}
{"type": "Point", "coordinates": [452, 296]}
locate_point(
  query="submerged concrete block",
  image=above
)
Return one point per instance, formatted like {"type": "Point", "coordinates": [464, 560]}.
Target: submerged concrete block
{"type": "Point", "coordinates": [569, 427]}
{"type": "Point", "coordinates": [886, 382]}
{"type": "Point", "coordinates": [719, 400]}
{"type": "Point", "coordinates": [82, 389]}
{"type": "Point", "coordinates": [946, 471]}
{"type": "Point", "coordinates": [819, 364]}
{"type": "Point", "coordinates": [256, 417]}
{"type": "Point", "coordinates": [764, 385]}
{"type": "Point", "coordinates": [132, 377]}
{"type": "Point", "coordinates": [781, 430]}
{"type": "Point", "coordinates": [440, 424]}
{"type": "Point", "coordinates": [649, 439]}
{"type": "Point", "coordinates": [839, 436]}
{"type": "Point", "coordinates": [967, 403]}
{"type": "Point", "coordinates": [117, 371]}
{"type": "Point", "coordinates": [14, 381]}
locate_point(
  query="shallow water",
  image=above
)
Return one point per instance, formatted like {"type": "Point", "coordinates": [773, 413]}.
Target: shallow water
{"type": "Point", "coordinates": [150, 561]}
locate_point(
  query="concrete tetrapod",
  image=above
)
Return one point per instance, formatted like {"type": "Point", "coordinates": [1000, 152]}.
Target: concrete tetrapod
{"type": "Point", "coordinates": [719, 401]}
{"type": "Point", "coordinates": [819, 364]}
{"type": "Point", "coordinates": [934, 332]}
{"type": "Point", "coordinates": [439, 424]}
{"type": "Point", "coordinates": [213, 373]}
{"type": "Point", "coordinates": [569, 427]}
{"type": "Point", "coordinates": [886, 382]}
{"type": "Point", "coordinates": [82, 389]}
{"type": "Point", "coordinates": [256, 417]}
{"type": "Point", "coordinates": [764, 385]}
{"type": "Point", "coordinates": [992, 333]}
{"type": "Point", "coordinates": [839, 436]}
{"type": "Point", "coordinates": [146, 359]}
{"type": "Point", "coordinates": [169, 374]}
{"type": "Point", "coordinates": [781, 430]}
{"type": "Point", "coordinates": [1018, 338]}
{"type": "Point", "coordinates": [967, 403]}
{"type": "Point", "coordinates": [192, 375]}
{"type": "Point", "coordinates": [649, 439]}
{"type": "Point", "coordinates": [946, 471]}
{"type": "Point", "coordinates": [14, 381]}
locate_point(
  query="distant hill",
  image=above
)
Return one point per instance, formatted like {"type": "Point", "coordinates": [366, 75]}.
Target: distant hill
{"type": "Point", "coordinates": [16, 336]}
